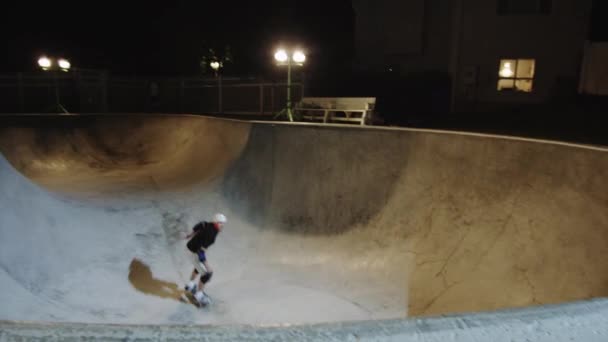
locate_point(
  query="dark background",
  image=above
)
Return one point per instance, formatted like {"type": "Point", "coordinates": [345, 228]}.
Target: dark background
{"type": "Point", "coordinates": [170, 37]}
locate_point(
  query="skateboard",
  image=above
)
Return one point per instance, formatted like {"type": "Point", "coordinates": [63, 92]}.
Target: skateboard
{"type": "Point", "coordinates": [188, 297]}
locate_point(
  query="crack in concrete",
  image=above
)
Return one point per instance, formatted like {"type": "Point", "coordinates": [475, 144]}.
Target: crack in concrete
{"type": "Point", "coordinates": [429, 262]}
{"type": "Point", "coordinates": [529, 282]}
{"type": "Point", "coordinates": [429, 223]}
{"type": "Point", "coordinates": [501, 232]}
{"type": "Point", "coordinates": [442, 272]}
{"type": "Point", "coordinates": [439, 295]}
{"type": "Point", "coordinates": [503, 229]}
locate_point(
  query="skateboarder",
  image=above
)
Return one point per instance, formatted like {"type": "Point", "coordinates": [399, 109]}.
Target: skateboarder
{"type": "Point", "coordinates": [203, 235]}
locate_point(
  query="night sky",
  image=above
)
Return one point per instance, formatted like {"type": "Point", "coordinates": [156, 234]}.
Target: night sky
{"type": "Point", "coordinates": [169, 37]}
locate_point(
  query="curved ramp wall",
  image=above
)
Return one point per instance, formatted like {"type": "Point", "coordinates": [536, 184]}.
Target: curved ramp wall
{"type": "Point", "coordinates": [472, 222]}
{"type": "Point", "coordinates": [376, 223]}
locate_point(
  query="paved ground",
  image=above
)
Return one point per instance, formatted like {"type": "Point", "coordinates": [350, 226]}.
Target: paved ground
{"type": "Point", "coordinates": [326, 223]}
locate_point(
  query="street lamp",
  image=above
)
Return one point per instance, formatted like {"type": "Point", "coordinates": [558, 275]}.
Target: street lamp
{"type": "Point", "coordinates": [47, 64]}
{"type": "Point", "coordinates": [289, 58]}
{"type": "Point", "coordinates": [64, 64]}
{"type": "Point", "coordinates": [44, 63]}
{"type": "Point", "coordinates": [215, 65]}
{"type": "Point", "coordinates": [299, 57]}
{"type": "Point", "coordinates": [281, 56]}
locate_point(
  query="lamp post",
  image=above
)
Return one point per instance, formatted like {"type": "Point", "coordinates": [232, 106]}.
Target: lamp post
{"type": "Point", "coordinates": [62, 64]}
{"type": "Point", "coordinates": [216, 65]}
{"type": "Point", "coordinates": [289, 58]}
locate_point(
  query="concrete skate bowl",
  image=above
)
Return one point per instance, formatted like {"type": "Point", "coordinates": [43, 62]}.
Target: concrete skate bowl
{"type": "Point", "coordinates": [327, 224]}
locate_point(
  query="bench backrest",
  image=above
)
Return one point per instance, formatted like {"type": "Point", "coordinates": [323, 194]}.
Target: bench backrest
{"type": "Point", "coordinates": [353, 103]}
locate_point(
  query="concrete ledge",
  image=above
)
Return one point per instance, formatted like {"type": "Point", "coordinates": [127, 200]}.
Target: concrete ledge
{"type": "Point", "coordinates": [580, 321]}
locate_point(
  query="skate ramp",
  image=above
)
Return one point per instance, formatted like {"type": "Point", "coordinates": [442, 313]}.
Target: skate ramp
{"type": "Point", "coordinates": [326, 223]}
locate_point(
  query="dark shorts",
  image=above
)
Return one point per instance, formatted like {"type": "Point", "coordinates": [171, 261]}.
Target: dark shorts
{"type": "Point", "coordinates": [201, 256]}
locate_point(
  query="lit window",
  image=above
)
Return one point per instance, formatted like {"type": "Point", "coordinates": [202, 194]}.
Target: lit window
{"type": "Point", "coordinates": [516, 75]}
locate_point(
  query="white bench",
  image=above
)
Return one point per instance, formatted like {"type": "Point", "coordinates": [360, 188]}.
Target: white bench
{"type": "Point", "coordinates": [337, 109]}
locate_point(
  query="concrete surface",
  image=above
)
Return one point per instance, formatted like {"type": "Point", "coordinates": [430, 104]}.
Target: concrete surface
{"type": "Point", "coordinates": [327, 224]}
{"type": "Point", "coordinates": [584, 321]}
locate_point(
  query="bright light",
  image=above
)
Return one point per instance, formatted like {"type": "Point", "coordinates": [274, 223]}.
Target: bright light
{"type": "Point", "coordinates": [214, 65]}
{"type": "Point", "coordinates": [64, 64]}
{"type": "Point", "coordinates": [299, 57]}
{"type": "Point", "coordinates": [506, 70]}
{"type": "Point", "coordinates": [44, 62]}
{"type": "Point", "coordinates": [281, 56]}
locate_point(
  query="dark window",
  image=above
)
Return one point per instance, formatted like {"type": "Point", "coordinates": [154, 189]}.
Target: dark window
{"type": "Point", "coordinates": [513, 7]}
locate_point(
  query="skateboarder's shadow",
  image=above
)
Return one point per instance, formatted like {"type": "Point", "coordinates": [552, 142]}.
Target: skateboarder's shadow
{"type": "Point", "coordinates": [140, 276]}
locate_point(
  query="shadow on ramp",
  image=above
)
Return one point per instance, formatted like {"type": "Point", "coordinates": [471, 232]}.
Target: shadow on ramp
{"type": "Point", "coordinates": [142, 279]}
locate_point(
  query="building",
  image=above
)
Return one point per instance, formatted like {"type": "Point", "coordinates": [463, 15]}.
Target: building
{"type": "Point", "coordinates": [495, 52]}
{"type": "Point", "coordinates": [594, 72]}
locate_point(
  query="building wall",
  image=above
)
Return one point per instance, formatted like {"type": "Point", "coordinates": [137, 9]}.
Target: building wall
{"type": "Point", "coordinates": [556, 41]}
{"type": "Point", "coordinates": [594, 75]}
{"type": "Point", "coordinates": [406, 36]}
{"type": "Point", "coordinates": [460, 36]}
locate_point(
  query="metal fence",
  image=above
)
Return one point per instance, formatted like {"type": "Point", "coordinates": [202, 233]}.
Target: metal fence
{"type": "Point", "coordinates": [98, 92]}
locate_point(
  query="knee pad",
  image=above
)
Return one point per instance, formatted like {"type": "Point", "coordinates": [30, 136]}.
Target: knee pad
{"type": "Point", "coordinates": [205, 278]}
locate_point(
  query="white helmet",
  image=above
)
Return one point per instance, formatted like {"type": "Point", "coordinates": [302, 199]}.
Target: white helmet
{"type": "Point", "coordinates": [219, 218]}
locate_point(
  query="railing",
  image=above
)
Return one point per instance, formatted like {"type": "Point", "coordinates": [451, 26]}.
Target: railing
{"type": "Point", "coordinates": [337, 109]}
{"type": "Point", "coordinates": [97, 92]}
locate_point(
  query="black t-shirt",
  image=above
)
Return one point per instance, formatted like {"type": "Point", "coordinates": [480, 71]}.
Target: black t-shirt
{"type": "Point", "coordinates": [204, 237]}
